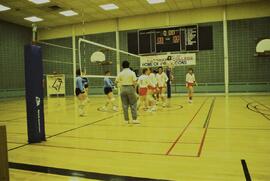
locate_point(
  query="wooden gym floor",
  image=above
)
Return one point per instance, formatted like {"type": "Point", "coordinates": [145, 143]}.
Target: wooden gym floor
{"type": "Point", "coordinates": [212, 139]}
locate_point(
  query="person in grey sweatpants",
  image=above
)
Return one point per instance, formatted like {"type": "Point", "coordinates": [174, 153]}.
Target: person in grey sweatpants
{"type": "Point", "coordinates": [127, 80]}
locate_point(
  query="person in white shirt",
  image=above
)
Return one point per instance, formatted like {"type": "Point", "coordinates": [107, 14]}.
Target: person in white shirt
{"type": "Point", "coordinates": [152, 90]}
{"type": "Point", "coordinates": [190, 81]}
{"type": "Point", "coordinates": [162, 79]}
{"type": "Point", "coordinates": [143, 83]}
{"type": "Point", "coordinates": [127, 81]}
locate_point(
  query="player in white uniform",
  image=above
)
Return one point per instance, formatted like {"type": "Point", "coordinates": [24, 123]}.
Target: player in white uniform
{"type": "Point", "coordinates": [152, 90]}
{"type": "Point", "coordinates": [162, 79]}
{"type": "Point", "coordinates": [143, 83]}
{"type": "Point", "coordinates": [190, 81]}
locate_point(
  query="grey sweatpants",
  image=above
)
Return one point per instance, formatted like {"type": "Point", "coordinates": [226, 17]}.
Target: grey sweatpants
{"type": "Point", "coordinates": [129, 98]}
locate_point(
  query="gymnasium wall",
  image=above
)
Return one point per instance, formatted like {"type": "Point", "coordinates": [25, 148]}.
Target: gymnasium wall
{"type": "Point", "coordinates": [246, 23]}
{"type": "Point", "coordinates": [247, 73]}
{"type": "Point", "coordinates": [12, 40]}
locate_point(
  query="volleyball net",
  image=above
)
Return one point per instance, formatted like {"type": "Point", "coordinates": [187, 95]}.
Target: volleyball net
{"type": "Point", "coordinates": [94, 59]}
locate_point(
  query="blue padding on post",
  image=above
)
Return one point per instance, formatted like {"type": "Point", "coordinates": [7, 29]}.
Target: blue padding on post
{"type": "Point", "coordinates": [34, 93]}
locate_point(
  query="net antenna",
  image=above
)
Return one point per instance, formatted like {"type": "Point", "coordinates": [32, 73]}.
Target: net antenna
{"type": "Point", "coordinates": [102, 55]}
{"type": "Point", "coordinates": [84, 48]}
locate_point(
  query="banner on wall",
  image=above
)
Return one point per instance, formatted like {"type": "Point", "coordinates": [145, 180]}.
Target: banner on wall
{"type": "Point", "coordinates": [56, 84]}
{"type": "Point", "coordinates": [172, 59]}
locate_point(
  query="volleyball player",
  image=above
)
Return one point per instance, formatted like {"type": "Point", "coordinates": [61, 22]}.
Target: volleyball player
{"type": "Point", "coordinates": [190, 81]}
{"type": "Point", "coordinates": [85, 84]}
{"type": "Point", "coordinates": [152, 90]}
{"type": "Point", "coordinates": [143, 83]}
{"type": "Point", "coordinates": [80, 93]}
{"type": "Point", "coordinates": [162, 79]}
{"type": "Point", "coordinates": [108, 90]}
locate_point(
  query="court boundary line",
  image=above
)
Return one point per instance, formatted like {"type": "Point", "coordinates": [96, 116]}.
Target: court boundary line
{"type": "Point", "coordinates": [103, 119]}
{"type": "Point", "coordinates": [206, 125]}
{"type": "Point", "coordinates": [124, 140]}
{"type": "Point", "coordinates": [112, 151]}
{"type": "Point", "coordinates": [82, 126]}
{"type": "Point", "coordinates": [76, 173]}
{"type": "Point", "coordinates": [245, 169]}
{"type": "Point", "coordinates": [185, 128]}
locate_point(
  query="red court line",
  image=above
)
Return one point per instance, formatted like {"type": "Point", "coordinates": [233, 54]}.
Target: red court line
{"type": "Point", "coordinates": [206, 127]}
{"type": "Point", "coordinates": [124, 140]}
{"type": "Point", "coordinates": [112, 151]}
{"type": "Point", "coordinates": [185, 128]}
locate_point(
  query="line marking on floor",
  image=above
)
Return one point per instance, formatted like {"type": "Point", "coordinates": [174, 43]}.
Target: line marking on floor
{"type": "Point", "coordinates": [245, 169]}
{"type": "Point", "coordinates": [185, 128]}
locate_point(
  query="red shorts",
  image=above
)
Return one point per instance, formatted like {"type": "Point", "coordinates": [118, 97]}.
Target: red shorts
{"type": "Point", "coordinates": [153, 89]}
{"type": "Point", "coordinates": [143, 91]}
{"type": "Point", "coordinates": [190, 84]}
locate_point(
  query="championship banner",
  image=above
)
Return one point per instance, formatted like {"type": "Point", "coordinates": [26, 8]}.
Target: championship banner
{"type": "Point", "coordinates": [56, 84]}
{"type": "Point", "coordinates": [172, 59]}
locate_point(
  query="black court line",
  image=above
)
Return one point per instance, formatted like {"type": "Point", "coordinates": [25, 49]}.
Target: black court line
{"type": "Point", "coordinates": [64, 132]}
{"type": "Point", "coordinates": [246, 129]}
{"type": "Point", "coordinates": [245, 169]}
{"type": "Point", "coordinates": [141, 126]}
{"type": "Point", "coordinates": [18, 147]}
{"type": "Point", "coordinates": [253, 108]}
{"type": "Point", "coordinates": [206, 123]}
{"type": "Point", "coordinates": [82, 126]}
{"type": "Point", "coordinates": [260, 103]}
{"type": "Point", "coordinates": [205, 126]}
{"type": "Point", "coordinates": [76, 173]}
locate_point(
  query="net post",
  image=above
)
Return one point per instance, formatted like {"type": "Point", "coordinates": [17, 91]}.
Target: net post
{"type": "Point", "coordinates": [74, 57]}
{"type": "Point", "coordinates": [4, 168]}
{"type": "Point", "coordinates": [118, 48]}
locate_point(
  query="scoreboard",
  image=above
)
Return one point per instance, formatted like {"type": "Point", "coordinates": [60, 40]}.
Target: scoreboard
{"type": "Point", "coordinates": [168, 39]}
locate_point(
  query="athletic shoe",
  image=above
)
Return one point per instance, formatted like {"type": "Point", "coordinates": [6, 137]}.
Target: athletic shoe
{"type": "Point", "coordinates": [104, 108]}
{"type": "Point", "coordinates": [115, 108]}
{"type": "Point", "coordinates": [136, 122]}
{"type": "Point", "coordinates": [83, 115]}
{"type": "Point", "coordinates": [189, 101]}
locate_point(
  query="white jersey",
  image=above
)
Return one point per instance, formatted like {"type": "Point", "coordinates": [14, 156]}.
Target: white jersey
{"type": "Point", "coordinates": [152, 80]}
{"type": "Point", "coordinates": [143, 81]}
{"type": "Point", "coordinates": [190, 78]}
{"type": "Point", "coordinates": [162, 79]}
{"type": "Point", "coordinates": [126, 77]}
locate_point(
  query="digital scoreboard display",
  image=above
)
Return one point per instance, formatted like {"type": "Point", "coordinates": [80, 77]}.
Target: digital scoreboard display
{"type": "Point", "coordinates": [168, 39]}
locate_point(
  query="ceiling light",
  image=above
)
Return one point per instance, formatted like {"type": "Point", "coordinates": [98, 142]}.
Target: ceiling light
{"type": "Point", "coordinates": [4, 8]}
{"type": "Point", "coordinates": [33, 19]}
{"type": "Point", "coordinates": [155, 1]}
{"type": "Point", "coordinates": [39, 1]}
{"type": "Point", "coordinates": [108, 6]}
{"type": "Point", "coordinates": [68, 13]}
